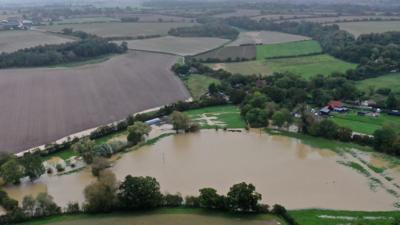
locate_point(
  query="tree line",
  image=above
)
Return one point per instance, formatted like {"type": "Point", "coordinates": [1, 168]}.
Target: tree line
{"type": "Point", "coordinates": [48, 55]}
{"type": "Point", "coordinates": [206, 30]}
{"type": "Point", "coordinates": [134, 194]}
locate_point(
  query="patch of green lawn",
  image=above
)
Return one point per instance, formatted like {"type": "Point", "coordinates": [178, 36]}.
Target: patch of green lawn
{"type": "Point", "coordinates": [364, 124]}
{"type": "Point", "coordinates": [391, 81]}
{"type": "Point", "coordinates": [309, 66]}
{"type": "Point", "coordinates": [332, 217]}
{"type": "Point", "coordinates": [289, 49]}
{"type": "Point", "coordinates": [306, 66]}
{"type": "Point", "coordinates": [229, 115]}
{"type": "Point", "coordinates": [198, 84]}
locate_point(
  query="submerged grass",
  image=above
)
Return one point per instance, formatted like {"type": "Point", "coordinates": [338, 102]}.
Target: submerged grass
{"type": "Point", "coordinates": [359, 168]}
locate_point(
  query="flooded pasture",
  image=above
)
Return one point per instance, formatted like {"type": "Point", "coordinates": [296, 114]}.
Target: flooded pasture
{"type": "Point", "coordinates": [283, 169]}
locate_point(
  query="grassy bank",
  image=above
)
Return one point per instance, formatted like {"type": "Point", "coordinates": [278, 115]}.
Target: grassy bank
{"type": "Point", "coordinates": [332, 217]}
{"type": "Point", "coordinates": [176, 216]}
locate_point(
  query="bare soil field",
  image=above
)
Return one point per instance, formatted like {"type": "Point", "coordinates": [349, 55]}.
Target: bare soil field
{"type": "Point", "coordinates": [233, 52]}
{"type": "Point", "coordinates": [265, 37]}
{"type": "Point", "coordinates": [358, 28]}
{"type": "Point", "coordinates": [41, 105]}
{"type": "Point", "coordinates": [117, 29]}
{"type": "Point", "coordinates": [11, 41]}
{"type": "Point", "coordinates": [177, 45]}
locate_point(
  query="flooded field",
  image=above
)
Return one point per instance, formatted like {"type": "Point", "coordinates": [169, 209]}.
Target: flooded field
{"type": "Point", "coordinates": [284, 170]}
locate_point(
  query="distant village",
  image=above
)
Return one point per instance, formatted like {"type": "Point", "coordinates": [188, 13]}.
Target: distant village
{"type": "Point", "coordinates": [15, 23]}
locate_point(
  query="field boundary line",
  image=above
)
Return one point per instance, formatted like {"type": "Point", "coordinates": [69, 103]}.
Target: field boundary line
{"type": "Point", "coordinates": [86, 133]}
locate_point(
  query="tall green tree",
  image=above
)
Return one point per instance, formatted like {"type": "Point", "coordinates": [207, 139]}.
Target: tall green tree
{"type": "Point", "coordinates": [101, 196]}
{"type": "Point", "coordinates": [138, 193]}
{"type": "Point", "coordinates": [86, 149]}
{"type": "Point", "coordinates": [243, 197]}
{"type": "Point", "coordinates": [33, 165]}
{"type": "Point", "coordinates": [180, 121]}
{"type": "Point", "coordinates": [12, 171]}
{"type": "Point", "coordinates": [137, 131]}
{"type": "Point", "coordinates": [210, 199]}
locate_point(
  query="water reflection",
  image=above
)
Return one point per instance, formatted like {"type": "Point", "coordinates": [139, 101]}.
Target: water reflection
{"type": "Point", "coordinates": [283, 169]}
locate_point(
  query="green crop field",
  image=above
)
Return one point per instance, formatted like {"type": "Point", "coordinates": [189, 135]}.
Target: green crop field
{"type": "Point", "coordinates": [306, 66]}
{"type": "Point", "coordinates": [178, 216]}
{"type": "Point", "coordinates": [198, 84]}
{"type": "Point", "coordinates": [229, 115]}
{"type": "Point", "coordinates": [331, 217]}
{"type": "Point", "coordinates": [309, 66]}
{"type": "Point", "coordinates": [391, 81]}
{"type": "Point", "coordinates": [296, 48]}
{"type": "Point", "coordinates": [365, 124]}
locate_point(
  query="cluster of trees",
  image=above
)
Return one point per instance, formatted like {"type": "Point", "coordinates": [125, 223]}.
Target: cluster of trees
{"type": "Point", "coordinates": [143, 193]}
{"type": "Point", "coordinates": [79, 34]}
{"type": "Point", "coordinates": [387, 140]}
{"type": "Point", "coordinates": [12, 169]}
{"type": "Point", "coordinates": [206, 30]}
{"type": "Point", "coordinates": [62, 53]}
{"type": "Point", "coordinates": [182, 122]}
{"type": "Point", "coordinates": [376, 54]}
{"type": "Point", "coordinates": [42, 205]}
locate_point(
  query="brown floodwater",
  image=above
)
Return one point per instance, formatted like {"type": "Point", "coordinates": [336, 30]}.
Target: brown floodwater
{"type": "Point", "coordinates": [283, 169]}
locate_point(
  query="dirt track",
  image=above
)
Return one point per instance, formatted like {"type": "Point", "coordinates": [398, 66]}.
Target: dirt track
{"type": "Point", "coordinates": [38, 106]}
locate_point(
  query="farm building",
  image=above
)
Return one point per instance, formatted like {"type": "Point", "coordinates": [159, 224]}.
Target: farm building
{"type": "Point", "coordinates": [335, 104]}
{"type": "Point", "coordinates": [15, 23]}
{"type": "Point", "coordinates": [394, 113]}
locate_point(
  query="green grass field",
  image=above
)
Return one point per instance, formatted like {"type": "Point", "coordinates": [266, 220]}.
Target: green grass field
{"type": "Point", "coordinates": [331, 217]}
{"type": "Point", "coordinates": [365, 124]}
{"type": "Point", "coordinates": [229, 115]}
{"type": "Point", "coordinates": [176, 216]}
{"type": "Point", "coordinates": [198, 84]}
{"type": "Point", "coordinates": [391, 81]}
{"type": "Point", "coordinates": [306, 66]}
{"type": "Point", "coordinates": [309, 66]}
{"type": "Point", "coordinates": [289, 49]}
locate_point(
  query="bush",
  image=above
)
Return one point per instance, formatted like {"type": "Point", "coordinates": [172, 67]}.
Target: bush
{"type": "Point", "coordinates": [171, 200]}
{"type": "Point", "coordinates": [192, 201]}
{"type": "Point", "coordinates": [60, 167]}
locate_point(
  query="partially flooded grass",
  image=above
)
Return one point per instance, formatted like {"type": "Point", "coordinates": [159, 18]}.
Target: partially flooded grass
{"type": "Point", "coordinates": [316, 142]}
{"type": "Point", "coordinates": [359, 168]}
{"type": "Point", "coordinates": [375, 169]}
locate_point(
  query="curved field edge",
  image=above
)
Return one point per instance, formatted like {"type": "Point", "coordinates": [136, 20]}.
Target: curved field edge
{"type": "Point", "coordinates": [63, 101]}
{"type": "Point", "coordinates": [333, 217]}
{"type": "Point", "coordinates": [170, 212]}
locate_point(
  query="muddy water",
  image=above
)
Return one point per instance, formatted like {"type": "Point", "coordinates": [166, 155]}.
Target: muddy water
{"type": "Point", "coordinates": [284, 171]}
